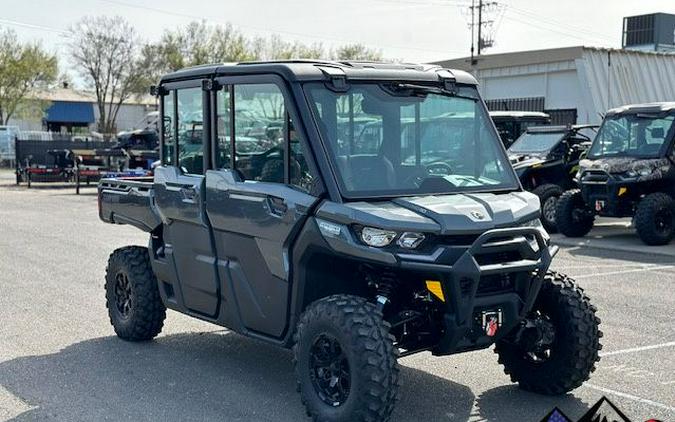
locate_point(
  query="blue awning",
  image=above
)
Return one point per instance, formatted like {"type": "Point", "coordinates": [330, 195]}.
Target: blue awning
{"type": "Point", "coordinates": [70, 112]}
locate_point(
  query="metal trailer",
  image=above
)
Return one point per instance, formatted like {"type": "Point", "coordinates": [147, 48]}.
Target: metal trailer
{"type": "Point", "coordinates": [79, 162]}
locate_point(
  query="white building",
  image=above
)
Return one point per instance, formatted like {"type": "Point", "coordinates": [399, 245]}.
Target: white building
{"type": "Point", "coordinates": [573, 84]}
{"type": "Point", "coordinates": [76, 111]}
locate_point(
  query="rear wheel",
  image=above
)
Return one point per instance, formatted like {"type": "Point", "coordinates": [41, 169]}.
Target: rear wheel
{"type": "Point", "coordinates": [572, 216]}
{"type": "Point", "coordinates": [548, 197]}
{"type": "Point", "coordinates": [132, 296]}
{"type": "Point", "coordinates": [345, 361]}
{"type": "Point", "coordinates": [655, 219]}
{"type": "Point", "coordinates": [556, 347]}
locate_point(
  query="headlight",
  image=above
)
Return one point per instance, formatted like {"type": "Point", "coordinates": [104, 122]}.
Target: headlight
{"type": "Point", "coordinates": [536, 223]}
{"type": "Point", "coordinates": [644, 171]}
{"type": "Point", "coordinates": [328, 228]}
{"type": "Point", "coordinates": [410, 240]}
{"type": "Point", "coordinates": [377, 238]}
{"type": "Point", "coordinates": [532, 223]}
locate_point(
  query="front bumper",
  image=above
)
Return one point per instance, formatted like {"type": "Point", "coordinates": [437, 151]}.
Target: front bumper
{"type": "Point", "coordinates": [609, 195]}
{"type": "Point", "coordinates": [528, 257]}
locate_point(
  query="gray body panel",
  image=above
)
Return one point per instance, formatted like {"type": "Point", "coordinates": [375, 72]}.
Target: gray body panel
{"type": "Point", "coordinates": [187, 234]}
{"type": "Point", "coordinates": [253, 226]}
{"type": "Point", "coordinates": [459, 213]}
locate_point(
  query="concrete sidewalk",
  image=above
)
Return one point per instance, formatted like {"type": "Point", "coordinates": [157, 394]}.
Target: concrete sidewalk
{"type": "Point", "coordinates": [614, 234]}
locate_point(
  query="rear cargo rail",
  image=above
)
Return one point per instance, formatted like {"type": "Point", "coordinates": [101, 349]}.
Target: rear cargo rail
{"type": "Point", "coordinates": [128, 201]}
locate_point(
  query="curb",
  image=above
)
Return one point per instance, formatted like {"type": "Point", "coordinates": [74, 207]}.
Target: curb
{"type": "Point", "coordinates": [610, 246]}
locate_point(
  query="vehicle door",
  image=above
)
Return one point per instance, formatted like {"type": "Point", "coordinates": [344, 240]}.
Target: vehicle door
{"type": "Point", "coordinates": [258, 197]}
{"type": "Point", "coordinates": [179, 195]}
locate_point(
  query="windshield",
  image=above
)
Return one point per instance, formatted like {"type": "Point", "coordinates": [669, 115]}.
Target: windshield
{"type": "Point", "coordinates": [536, 142]}
{"type": "Point", "coordinates": [635, 135]}
{"type": "Point", "coordinates": [393, 140]}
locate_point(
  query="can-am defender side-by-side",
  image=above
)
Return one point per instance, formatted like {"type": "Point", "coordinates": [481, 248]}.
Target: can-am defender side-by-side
{"type": "Point", "coordinates": [629, 172]}
{"type": "Point", "coordinates": [546, 158]}
{"type": "Point", "coordinates": [284, 223]}
{"type": "Point", "coordinates": [511, 124]}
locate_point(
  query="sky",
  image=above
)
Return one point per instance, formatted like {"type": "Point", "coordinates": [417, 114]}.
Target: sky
{"type": "Point", "coordinates": [408, 30]}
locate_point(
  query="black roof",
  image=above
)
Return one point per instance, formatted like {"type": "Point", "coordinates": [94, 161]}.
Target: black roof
{"type": "Point", "coordinates": [558, 129]}
{"type": "Point", "coordinates": [307, 70]}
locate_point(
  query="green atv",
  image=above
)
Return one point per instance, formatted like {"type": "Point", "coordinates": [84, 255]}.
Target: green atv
{"type": "Point", "coordinates": [546, 159]}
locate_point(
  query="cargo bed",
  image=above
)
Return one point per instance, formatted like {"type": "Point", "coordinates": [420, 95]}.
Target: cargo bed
{"type": "Point", "coordinates": [128, 200]}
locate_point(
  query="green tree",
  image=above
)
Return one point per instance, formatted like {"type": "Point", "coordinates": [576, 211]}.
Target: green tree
{"type": "Point", "coordinates": [24, 69]}
{"type": "Point", "coordinates": [106, 52]}
{"type": "Point", "coordinates": [195, 44]}
{"type": "Point", "coordinates": [356, 52]}
{"type": "Point", "coordinates": [275, 48]}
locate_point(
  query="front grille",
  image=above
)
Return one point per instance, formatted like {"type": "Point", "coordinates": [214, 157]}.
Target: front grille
{"type": "Point", "coordinates": [489, 285]}
{"type": "Point", "coordinates": [595, 177]}
{"type": "Point", "coordinates": [497, 257]}
{"type": "Point", "coordinates": [496, 284]}
{"type": "Point", "coordinates": [595, 190]}
{"type": "Point", "coordinates": [457, 240]}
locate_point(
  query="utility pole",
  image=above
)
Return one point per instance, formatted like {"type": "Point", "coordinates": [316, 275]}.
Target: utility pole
{"type": "Point", "coordinates": [483, 25]}
{"type": "Point", "coordinates": [480, 24]}
{"type": "Point", "coordinates": [473, 23]}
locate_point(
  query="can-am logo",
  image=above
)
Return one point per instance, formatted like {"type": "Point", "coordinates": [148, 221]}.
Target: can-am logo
{"type": "Point", "coordinates": [478, 215]}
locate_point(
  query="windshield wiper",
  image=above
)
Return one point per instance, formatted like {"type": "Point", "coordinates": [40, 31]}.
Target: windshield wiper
{"type": "Point", "coordinates": [427, 89]}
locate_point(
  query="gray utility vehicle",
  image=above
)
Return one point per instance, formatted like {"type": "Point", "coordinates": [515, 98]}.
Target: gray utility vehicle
{"type": "Point", "coordinates": [294, 235]}
{"type": "Point", "coordinates": [629, 172]}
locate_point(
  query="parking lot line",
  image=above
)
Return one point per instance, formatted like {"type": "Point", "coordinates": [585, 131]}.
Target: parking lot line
{"type": "Point", "coordinates": [638, 349]}
{"type": "Point", "coordinates": [629, 397]}
{"type": "Point", "coordinates": [662, 267]}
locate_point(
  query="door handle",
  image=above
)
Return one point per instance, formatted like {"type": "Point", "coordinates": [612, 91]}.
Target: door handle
{"type": "Point", "coordinates": [277, 205]}
{"type": "Point", "coordinates": [189, 192]}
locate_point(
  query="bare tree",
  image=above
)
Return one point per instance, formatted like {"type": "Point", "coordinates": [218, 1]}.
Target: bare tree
{"type": "Point", "coordinates": [106, 53]}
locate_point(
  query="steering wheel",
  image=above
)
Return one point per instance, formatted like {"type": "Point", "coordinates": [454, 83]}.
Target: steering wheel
{"type": "Point", "coordinates": [439, 168]}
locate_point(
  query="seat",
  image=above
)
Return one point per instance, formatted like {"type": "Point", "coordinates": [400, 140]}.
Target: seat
{"type": "Point", "coordinates": [367, 172]}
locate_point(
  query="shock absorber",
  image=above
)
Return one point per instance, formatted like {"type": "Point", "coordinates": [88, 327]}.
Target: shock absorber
{"type": "Point", "coordinates": [385, 289]}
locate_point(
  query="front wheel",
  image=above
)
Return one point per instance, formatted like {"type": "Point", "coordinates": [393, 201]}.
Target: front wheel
{"type": "Point", "coordinates": [556, 347]}
{"type": "Point", "coordinates": [345, 361]}
{"type": "Point", "coordinates": [548, 197]}
{"type": "Point", "coordinates": [655, 219]}
{"type": "Point", "coordinates": [572, 216]}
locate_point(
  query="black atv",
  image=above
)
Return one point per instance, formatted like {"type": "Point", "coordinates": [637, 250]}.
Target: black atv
{"type": "Point", "coordinates": [295, 227]}
{"type": "Point", "coordinates": [546, 159]}
{"type": "Point", "coordinates": [629, 172]}
{"type": "Point", "coordinates": [511, 124]}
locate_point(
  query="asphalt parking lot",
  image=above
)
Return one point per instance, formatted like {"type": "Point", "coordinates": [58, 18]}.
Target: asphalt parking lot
{"type": "Point", "coordinates": [59, 359]}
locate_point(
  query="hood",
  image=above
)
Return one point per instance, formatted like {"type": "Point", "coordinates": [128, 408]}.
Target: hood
{"type": "Point", "coordinates": [441, 214]}
{"type": "Point", "coordinates": [519, 161]}
{"type": "Point", "coordinates": [621, 165]}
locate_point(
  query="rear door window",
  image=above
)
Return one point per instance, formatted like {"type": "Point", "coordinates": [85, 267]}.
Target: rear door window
{"type": "Point", "coordinates": [190, 130]}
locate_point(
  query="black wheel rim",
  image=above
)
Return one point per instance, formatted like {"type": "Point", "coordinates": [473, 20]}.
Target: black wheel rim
{"type": "Point", "coordinates": [663, 221]}
{"type": "Point", "coordinates": [537, 340]}
{"type": "Point", "coordinates": [549, 209]}
{"type": "Point", "coordinates": [329, 370]}
{"type": "Point", "coordinates": [123, 295]}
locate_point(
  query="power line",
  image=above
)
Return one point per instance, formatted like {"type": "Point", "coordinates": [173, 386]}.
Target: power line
{"type": "Point", "coordinates": [548, 21]}
{"type": "Point", "coordinates": [545, 28]}
{"type": "Point", "coordinates": [296, 34]}
{"type": "Point", "coordinates": [33, 26]}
